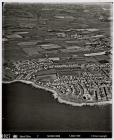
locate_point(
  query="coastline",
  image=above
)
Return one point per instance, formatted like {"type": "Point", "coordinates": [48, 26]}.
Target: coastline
{"type": "Point", "coordinates": [55, 95]}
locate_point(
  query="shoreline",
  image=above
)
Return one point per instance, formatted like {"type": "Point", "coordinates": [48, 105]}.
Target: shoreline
{"type": "Point", "coordinates": [55, 95]}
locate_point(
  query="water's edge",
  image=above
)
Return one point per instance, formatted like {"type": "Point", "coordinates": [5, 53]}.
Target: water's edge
{"type": "Point", "coordinates": [55, 95]}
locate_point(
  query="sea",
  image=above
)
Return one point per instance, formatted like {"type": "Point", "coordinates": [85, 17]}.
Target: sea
{"type": "Point", "coordinates": [29, 109]}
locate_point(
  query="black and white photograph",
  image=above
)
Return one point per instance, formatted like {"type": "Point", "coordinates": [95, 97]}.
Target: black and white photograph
{"type": "Point", "coordinates": [57, 70]}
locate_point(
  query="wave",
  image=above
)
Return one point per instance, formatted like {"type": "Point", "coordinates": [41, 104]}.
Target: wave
{"type": "Point", "coordinates": [56, 96]}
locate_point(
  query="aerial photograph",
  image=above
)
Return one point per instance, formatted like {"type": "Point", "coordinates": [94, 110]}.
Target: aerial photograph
{"type": "Point", "coordinates": [56, 70]}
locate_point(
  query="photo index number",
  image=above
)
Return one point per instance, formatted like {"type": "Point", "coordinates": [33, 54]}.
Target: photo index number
{"type": "Point", "coordinates": [6, 136]}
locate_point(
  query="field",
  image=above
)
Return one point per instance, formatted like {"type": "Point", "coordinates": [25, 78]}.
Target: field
{"type": "Point", "coordinates": [37, 29]}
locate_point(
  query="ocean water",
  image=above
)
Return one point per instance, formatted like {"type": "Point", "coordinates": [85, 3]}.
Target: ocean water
{"type": "Point", "coordinates": [26, 108]}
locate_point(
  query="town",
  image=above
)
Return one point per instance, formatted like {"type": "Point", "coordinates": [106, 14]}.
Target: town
{"type": "Point", "coordinates": [73, 81]}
